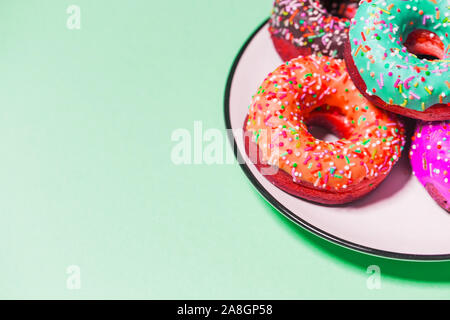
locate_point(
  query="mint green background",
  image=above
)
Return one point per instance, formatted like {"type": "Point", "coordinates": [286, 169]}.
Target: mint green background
{"type": "Point", "coordinates": [86, 176]}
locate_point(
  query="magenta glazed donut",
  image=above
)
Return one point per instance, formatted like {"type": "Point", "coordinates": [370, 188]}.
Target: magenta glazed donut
{"type": "Point", "coordinates": [304, 27]}
{"type": "Point", "coordinates": [430, 159]}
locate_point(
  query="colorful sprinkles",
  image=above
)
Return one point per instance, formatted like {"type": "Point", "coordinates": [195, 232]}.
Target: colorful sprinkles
{"type": "Point", "coordinates": [319, 87]}
{"type": "Point", "coordinates": [308, 24]}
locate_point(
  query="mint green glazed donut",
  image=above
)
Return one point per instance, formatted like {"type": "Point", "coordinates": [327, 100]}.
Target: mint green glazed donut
{"type": "Point", "coordinates": [389, 71]}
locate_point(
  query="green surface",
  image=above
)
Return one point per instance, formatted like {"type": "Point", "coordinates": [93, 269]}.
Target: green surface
{"type": "Point", "coordinates": [86, 176]}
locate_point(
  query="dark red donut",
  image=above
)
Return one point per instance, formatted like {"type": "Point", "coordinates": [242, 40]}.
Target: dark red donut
{"type": "Point", "coordinates": [304, 27]}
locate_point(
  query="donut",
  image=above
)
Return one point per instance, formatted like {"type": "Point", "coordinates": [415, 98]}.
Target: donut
{"type": "Point", "coordinates": [430, 159]}
{"type": "Point", "coordinates": [303, 27]}
{"type": "Point", "coordinates": [317, 90]}
{"type": "Point", "coordinates": [398, 56]}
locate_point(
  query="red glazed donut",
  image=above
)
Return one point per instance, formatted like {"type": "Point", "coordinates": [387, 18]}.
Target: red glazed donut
{"type": "Point", "coordinates": [304, 27]}
{"type": "Point", "coordinates": [318, 90]}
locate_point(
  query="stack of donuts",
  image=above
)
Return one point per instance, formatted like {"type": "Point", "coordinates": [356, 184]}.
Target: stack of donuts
{"type": "Point", "coordinates": [361, 70]}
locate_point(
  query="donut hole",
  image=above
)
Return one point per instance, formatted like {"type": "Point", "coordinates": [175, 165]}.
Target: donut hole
{"type": "Point", "coordinates": [322, 133]}
{"type": "Point", "coordinates": [341, 10]}
{"type": "Point", "coordinates": [326, 123]}
{"type": "Point", "coordinates": [425, 44]}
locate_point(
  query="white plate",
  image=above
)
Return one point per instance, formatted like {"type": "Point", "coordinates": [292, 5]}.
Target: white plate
{"type": "Point", "coordinates": [397, 220]}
